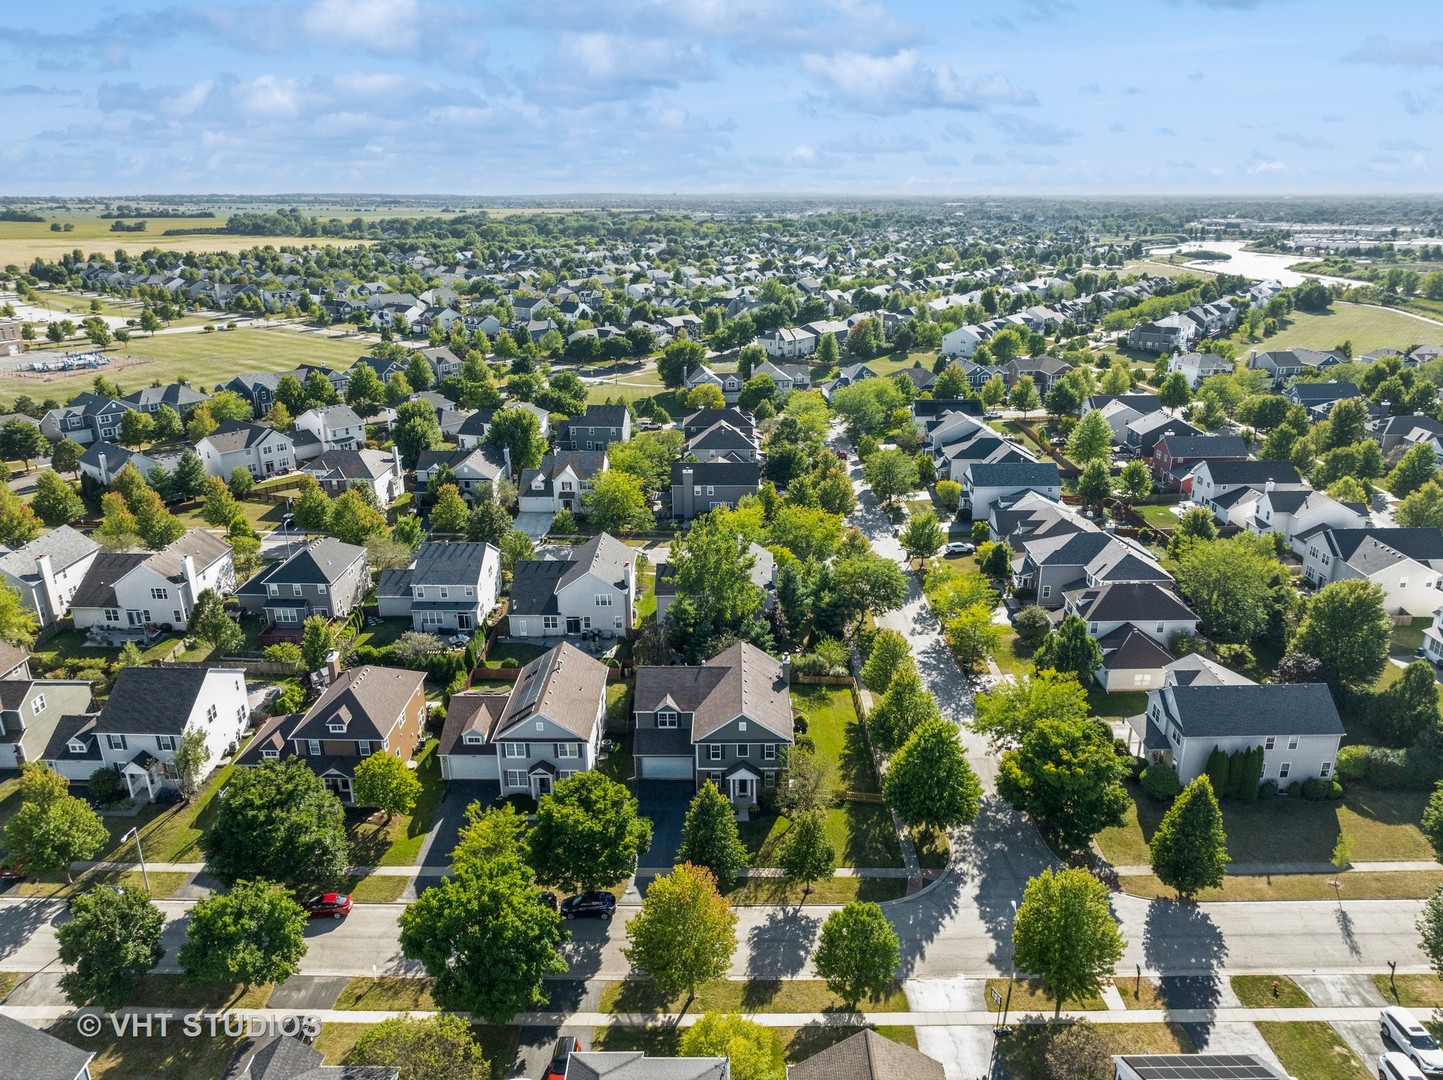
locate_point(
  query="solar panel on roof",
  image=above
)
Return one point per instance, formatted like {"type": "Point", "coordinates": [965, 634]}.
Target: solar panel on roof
{"type": "Point", "coordinates": [1199, 1067]}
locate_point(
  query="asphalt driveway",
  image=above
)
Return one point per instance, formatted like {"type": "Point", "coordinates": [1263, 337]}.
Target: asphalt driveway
{"type": "Point", "coordinates": [435, 854]}
{"type": "Point", "coordinates": [665, 802]}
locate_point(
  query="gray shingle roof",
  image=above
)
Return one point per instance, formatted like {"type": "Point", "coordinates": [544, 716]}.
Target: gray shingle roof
{"type": "Point", "coordinates": [635, 1065]}
{"type": "Point", "coordinates": [1015, 474]}
{"type": "Point", "coordinates": [323, 560]}
{"type": "Point", "coordinates": [153, 700]}
{"type": "Point", "coordinates": [718, 473]}
{"type": "Point", "coordinates": [37, 1055]}
{"type": "Point", "coordinates": [1251, 472]}
{"type": "Point", "coordinates": [1131, 602]}
{"type": "Point", "coordinates": [1216, 712]}
{"type": "Point", "coordinates": [1358, 546]}
{"type": "Point", "coordinates": [367, 699]}
{"type": "Point", "coordinates": [235, 435]}
{"type": "Point", "coordinates": [867, 1056]}
{"type": "Point", "coordinates": [64, 545]}
{"type": "Point", "coordinates": [564, 685]}
{"type": "Point", "coordinates": [449, 564]}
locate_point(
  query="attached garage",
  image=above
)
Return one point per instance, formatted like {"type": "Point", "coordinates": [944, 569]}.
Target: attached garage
{"type": "Point", "coordinates": [468, 767]}
{"type": "Point", "coordinates": [664, 768]}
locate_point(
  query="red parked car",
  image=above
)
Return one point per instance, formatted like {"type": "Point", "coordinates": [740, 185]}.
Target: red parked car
{"type": "Point", "coordinates": [328, 905]}
{"type": "Point", "coordinates": [564, 1048]}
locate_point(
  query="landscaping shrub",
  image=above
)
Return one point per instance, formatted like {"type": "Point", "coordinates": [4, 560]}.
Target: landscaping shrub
{"type": "Point", "coordinates": [1031, 623]}
{"type": "Point", "coordinates": [1316, 788]}
{"type": "Point", "coordinates": [104, 785]}
{"type": "Point", "coordinates": [1235, 656]}
{"type": "Point", "coordinates": [1136, 767]}
{"type": "Point", "coordinates": [523, 802]}
{"type": "Point", "coordinates": [1295, 789]}
{"type": "Point", "coordinates": [1268, 790]}
{"type": "Point", "coordinates": [1352, 762]}
{"type": "Point", "coordinates": [510, 662]}
{"type": "Point", "coordinates": [1335, 790]}
{"type": "Point", "coordinates": [1399, 770]}
{"type": "Point", "coordinates": [1160, 781]}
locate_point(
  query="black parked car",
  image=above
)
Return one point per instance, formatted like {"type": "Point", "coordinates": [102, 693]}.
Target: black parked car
{"type": "Point", "coordinates": [589, 905]}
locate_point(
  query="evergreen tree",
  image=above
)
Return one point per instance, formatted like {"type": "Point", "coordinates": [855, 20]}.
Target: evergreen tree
{"type": "Point", "coordinates": [1217, 770]}
{"type": "Point", "coordinates": [1189, 848]}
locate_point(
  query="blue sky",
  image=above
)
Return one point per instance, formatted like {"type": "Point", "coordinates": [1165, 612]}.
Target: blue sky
{"type": "Point", "coordinates": [662, 96]}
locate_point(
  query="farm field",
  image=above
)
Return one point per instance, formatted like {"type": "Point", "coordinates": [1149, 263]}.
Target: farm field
{"type": "Point", "coordinates": [21, 242]}
{"type": "Point", "coordinates": [205, 359]}
{"type": "Point", "coordinates": [1367, 327]}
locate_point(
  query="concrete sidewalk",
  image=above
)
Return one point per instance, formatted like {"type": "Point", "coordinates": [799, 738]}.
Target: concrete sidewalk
{"type": "Point", "coordinates": [1283, 869]}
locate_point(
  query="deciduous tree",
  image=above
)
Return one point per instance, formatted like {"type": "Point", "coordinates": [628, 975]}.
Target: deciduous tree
{"type": "Point", "coordinates": [1070, 649]}
{"type": "Point", "coordinates": [905, 706]}
{"type": "Point", "coordinates": [930, 783]}
{"type": "Point", "coordinates": [807, 853]}
{"type": "Point", "coordinates": [857, 953]}
{"type": "Point", "coordinates": [890, 651]}
{"type": "Point", "coordinates": [439, 1047]}
{"type": "Point", "coordinates": [754, 1052]}
{"type": "Point", "coordinates": [55, 500]}
{"type": "Point", "coordinates": [384, 781]}
{"type": "Point", "coordinates": [685, 933]}
{"type": "Point", "coordinates": [1067, 778]}
{"type": "Point", "coordinates": [253, 934]}
{"type": "Point", "coordinates": [52, 828]}
{"type": "Point", "coordinates": [1346, 627]}
{"type": "Point", "coordinates": [111, 941]}
{"type": "Point", "coordinates": [709, 837]}
{"type": "Point", "coordinates": [1065, 932]}
{"type": "Point", "coordinates": [588, 834]}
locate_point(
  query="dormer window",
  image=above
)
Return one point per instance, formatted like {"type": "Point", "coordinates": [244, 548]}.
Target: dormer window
{"type": "Point", "coordinates": [270, 755]}
{"type": "Point", "coordinates": [75, 746]}
{"type": "Point", "coordinates": [336, 727]}
{"type": "Point", "coordinates": [472, 738]}
{"type": "Point", "coordinates": [666, 718]}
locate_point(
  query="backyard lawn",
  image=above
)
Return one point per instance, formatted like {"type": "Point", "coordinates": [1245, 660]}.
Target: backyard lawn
{"type": "Point", "coordinates": [1314, 1050]}
{"type": "Point", "coordinates": [398, 843]}
{"type": "Point", "coordinates": [1383, 826]}
{"type": "Point", "coordinates": [841, 741]}
{"type": "Point", "coordinates": [1121, 704]}
{"type": "Point", "coordinates": [520, 651]}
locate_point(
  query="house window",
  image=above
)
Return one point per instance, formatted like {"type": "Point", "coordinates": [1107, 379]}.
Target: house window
{"type": "Point", "coordinates": [567, 772]}
{"type": "Point", "coordinates": [743, 750]}
{"type": "Point", "coordinates": [270, 755]}
{"type": "Point", "coordinates": [175, 612]}
{"type": "Point", "coordinates": [159, 594]}
{"type": "Point", "coordinates": [420, 592]}
{"type": "Point", "coordinates": [515, 750]}
{"type": "Point", "coordinates": [1270, 742]}
{"type": "Point", "coordinates": [516, 778]}
{"type": "Point", "coordinates": [603, 600]}
{"type": "Point", "coordinates": [445, 593]}
{"type": "Point", "coordinates": [469, 590]}
{"type": "Point", "coordinates": [472, 738]}
{"type": "Point", "coordinates": [286, 615]}
{"type": "Point", "coordinates": [1325, 769]}
{"type": "Point", "coordinates": [38, 705]}
{"type": "Point", "coordinates": [1283, 770]}
{"type": "Point", "coordinates": [1402, 583]}
{"type": "Point", "coordinates": [1161, 627]}
{"type": "Point", "coordinates": [210, 714]}
{"type": "Point", "coordinates": [321, 590]}
{"type": "Point", "coordinates": [115, 742]}
{"type": "Point", "coordinates": [616, 621]}
{"type": "Point", "coordinates": [540, 725]}
{"type": "Point", "coordinates": [696, 490]}
{"type": "Point", "coordinates": [550, 622]}
{"type": "Point", "coordinates": [567, 750]}
{"type": "Point", "coordinates": [1046, 591]}
{"type": "Point", "coordinates": [666, 719]}
{"type": "Point", "coordinates": [273, 590]}
{"type": "Point", "coordinates": [1292, 742]}
{"type": "Point", "coordinates": [112, 614]}
{"type": "Point", "coordinates": [363, 747]}
{"type": "Point", "coordinates": [75, 747]}
{"type": "Point", "coordinates": [295, 590]}
{"type": "Point", "coordinates": [714, 752]}
{"type": "Point", "coordinates": [711, 489]}
{"type": "Point", "coordinates": [313, 747]}
{"type": "Point", "coordinates": [769, 780]}
{"type": "Point", "coordinates": [165, 742]}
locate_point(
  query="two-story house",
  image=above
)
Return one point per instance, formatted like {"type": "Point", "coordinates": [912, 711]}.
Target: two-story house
{"type": "Point", "coordinates": [1406, 563]}
{"type": "Point", "coordinates": [337, 471]}
{"type": "Point", "coordinates": [477, 426]}
{"type": "Point", "coordinates": [1195, 367]}
{"type": "Point", "coordinates": [104, 461]}
{"type": "Point", "coordinates": [127, 590]}
{"type": "Point", "coordinates": [326, 577]}
{"type": "Point", "coordinates": [699, 486]}
{"type": "Point", "coordinates": [39, 1055]}
{"type": "Point", "coordinates": [722, 442]}
{"type": "Point", "coordinates": [335, 427]}
{"type": "Point", "coordinates": [88, 418]}
{"type": "Point", "coordinates": [547, 727]}
{"type": "Point", "coordinates": [447, 588]}
{"type": "Point", "coordinates": [704, 419]}
{"type": "Point", "coordinates": [983, 483]}
{"type": "Point", "coordinates": [591, 589]}
{"type": "Point", "coordinates": [1296, 724]}
{"type": "Point", "coordinates": [257, 387]}
{"type": "Point", "coordinates": [148, 712]}
{"type": "Point", "coordinates": [263, 451]}
{"type": "Point", "coordinates": [1133, 623]}
{"type": "Point", "coordinates": [1056, 561]}
{"type": "Point", "coordinates": [1173, 456]}
{"type": "Point", "coordinates": [178, 396]}
{"type": "Point", "coordinates": [48, 571]}
{"type": "Point", "coordinates": [724, 722]}
{"type": "Point", "coordinates": [476, 470]}
{"type": "Point", "coordinates": [30, 710]}
{"type": "Point", "coordinates": [595, 429]}
{"type": "Point", "coordinates": [1220, 485]}
{"type": "Point", "coordinates": [1285, 364]}
{"type": "Point", "coordinates": [787, 376]}
{"type": "Point", "coordinates": [367, 710]}
{"type": "Point", "coordinates": [730, 384]}
{"type": "Point", "coordinates": [1297, 512]}
{"type": "Point", "coordinates": [560, 482]}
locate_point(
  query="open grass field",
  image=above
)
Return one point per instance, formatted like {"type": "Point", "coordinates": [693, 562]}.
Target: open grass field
{"type": "Point", "coordinates": [1367, 327]}
{"type": "Point", "coordinates": [205, 359]}
{"type": "Point", "coordinates": [1314, 1050]}
{"type": "Point", "coordinates": [1281, 830]}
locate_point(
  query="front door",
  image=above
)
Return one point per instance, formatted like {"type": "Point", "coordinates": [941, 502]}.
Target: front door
{"type": "Point", "coordinates": [542, 783]}
{"type": "Point", "coordinates": [573, 625]}
{"type": "Point", "coordinates": [741, 790]}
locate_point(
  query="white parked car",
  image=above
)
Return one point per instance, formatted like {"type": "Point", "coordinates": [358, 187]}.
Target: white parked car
{"type": "Point", "coordinates": [959, 547]}
{"type": "Point", "coordinates": [1394, 1066]}
{"type": "Point", "coordinates": [1402, 1029]}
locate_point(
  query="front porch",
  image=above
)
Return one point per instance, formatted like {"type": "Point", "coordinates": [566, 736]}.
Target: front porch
{"type": "Point", "coordinates": [1147, 741]}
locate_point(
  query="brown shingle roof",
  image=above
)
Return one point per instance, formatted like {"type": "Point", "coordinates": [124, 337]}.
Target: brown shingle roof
{"type": "Point", "coordinates": [564, 685]}
{"type": "Point", "coordinates": [741, 681]}
{"type": "Point", "coordinates": [366, 699]}
{"type": "Point", "coordinates": [867, 1056]}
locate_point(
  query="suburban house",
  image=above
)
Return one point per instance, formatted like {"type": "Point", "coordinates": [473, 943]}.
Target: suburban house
{"type": "Point", "coordinates": [47, 572]}
{"type": "Point", "coordinates": [125, 590]}
{"type": "Point", "coordinates": [546, 728]}
{"type": "Point", "coordinates": [236, 445]}
{"type": "Point", "coordinates": [1285, 364]}
{"type": "Point", "coordinates": [338, 471]}
{"type": "Point", "coordinates": [699, 486]}
{"type": "Point", "coordinates": [1318, 398]}
{"type": "Point", "coordinates": [1059, 560]}
{"type": "Point", "coordinates": [763, 575]}
{"type": "Point", "coordinates": [983, 483]}
{"type": "Point", "coordinates": [595, 429]}
{"type": "Point", "coordinates": [591, 589]}
{"type": "Point", "coordinates": [867, 1056]}
{"type": "Point", "coordinates": [1296, 724]}
{"type": "Point", "coordinates": [1406, 563]}
{"type": "Point", "coordinates": [1144, 433]}
{"type": "Point", "coordinates": [88, 418]}
{"type": "Point", "coordinates": [1133, 623]}
{"type": "Point", "coordinates": [335, 427]}
{"type": "Point", "coordinates": [1170, 334]}
{"type": "Point", "coordinates": [1196, 367]}
{"type": "Point", "coordinates": [444, 363]}
{"type": "Point", "coordinates": [178, 396]}
{"type": "Point", "coordinates": [474, 428]}
{"type": "Point", "coordinates": [325, 577]}
{"type": "Point", "coordinates": [475, 470]}
{"type": "Point", "coordinates": [1298, 512]}
{"type": "Point", "coordinates": [786, 376]}
{"type": "Point", "coordinates": [705, 419]}
{"type": "Point", "coordinates": [1119, 410]}
{"type": "Point", "coordinates": [1173, 456]}
{"type": "Point", "coordinates": [286, 1057]}
{"type": "Point", "coordinates": [14, 662]}
{"type": "Point", "coordinates": [103, 461]}
{"type": "Point", "coordinates": [31, 709]}
{"type": "Point", "coordinates": [786, 342]}
{"type": "Point", "coordinates": [39, 1055]}
{"type": "Point", "coordinates": [448, 588]}
{"type": "Point", "coordinates": [140, 728]}
{"type": "Point", "coordinates": [1433, 639]}
{"type": "Point", "coordinates": [962, 341]}
{"type": "Point", "coordinates": [259, 388]}
{"type": "Point", "coordinates": [1221, 485]}
{"type": "Point", "coordinates": [1044, 370]}
{"type": "Point", "coordinates": [722, 442]}
{"type": "Point", "coordinates": [560, 482]}
{"type": "Point", "coordinates": [367, 710]}
{"type": "Point", "coordinates": [635, 1065]}
{"type": "Point", "coordinates": [724, 721]}
{"type": "Point", "coordinates": [729, 384]}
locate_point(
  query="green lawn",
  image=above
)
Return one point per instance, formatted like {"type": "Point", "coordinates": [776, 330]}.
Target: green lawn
{"type": "Point", "coordinates": [841, 741]}
{"type": "Point", "coordinates": [1256, 992]}
{"type": "Point", "coordinates": [390, 994]}
{"type": "Point", "coordinates": [1159, 517]}
{"type": "Point", "coordinates": [1382, 824]}
{"type": "Point", "coordinates": [737, 995]}
{"type": "Point", "coordinates": [1354, 885]}
{"type": "Point", "coordinates": [205, 359]}
{"type": "Point", "coordinates": [1030, 995]}
{"type": "Point", "coordinates": [173, 1056]}
{"type": "Point", "coordinates": [1407, 639]}
{"type": "Point", "coordinates": [1313, 1050]}
{"type": "Point", "coordinates": [520, 651]}
{"type": "Point", "coordinates": [384, 633]}
{"type": "Point", "coordinates": [1122, 703]}
{"type": "Point", "coordinates": [1367, 327]}
{"type": "Point", "coordinates": [398, 843]}
{"type": "Point", "coordinates": [646, 598]}
{"type": "Point", "coordinates": [862, 833]}
{"type": "Point", "coordinates": [838, 890]}
{"type": "Point", "coordinates": [1411, 991]}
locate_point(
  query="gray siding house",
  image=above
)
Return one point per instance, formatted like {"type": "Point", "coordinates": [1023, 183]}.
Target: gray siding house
{"type": "Point", "coordinates": [447, 588]}
{"type": "Point", "coordinates": [48, 571]}
{"type": "Point", "coordinates": [326, 577]}
{"type": "Point", "coordinates": [699, 486]}
{"type": "Point", "coordinates": [591, 590]}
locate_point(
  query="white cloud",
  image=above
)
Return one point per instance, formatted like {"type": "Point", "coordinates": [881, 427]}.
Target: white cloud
{"type": "Point", "coordinates": [1019, 129]}
{"type": "Point", "coordinates": [1380, 49]}
{"type": "Point", "coordinates": [1258, 168]}
{"type": "Point", "coordinates": [903, 81]}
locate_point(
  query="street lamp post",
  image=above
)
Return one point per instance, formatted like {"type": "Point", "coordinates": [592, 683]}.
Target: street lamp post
{"type": "Point", "coordinates": [144, 876]}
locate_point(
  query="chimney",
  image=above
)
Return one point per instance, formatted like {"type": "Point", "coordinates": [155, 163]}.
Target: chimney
{"type": "Point", "coordinates": [187, 574]}
{"type": "Point", "coordinates": [1268, 485]}
{"type": "Point", "coordinates": [104, 471]}
{"type": "Point", "coordinates": [333, 665]}
{"type": "Point", "coordinates": [396, 457]}
{"type": "Point", "coordinates": [47, 582]}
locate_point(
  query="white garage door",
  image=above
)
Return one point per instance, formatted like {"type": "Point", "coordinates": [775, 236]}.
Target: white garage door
{"type": "Point", "coordinates": [665, 768]}
{"type": "Point", "coordinates": [469, 767]}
